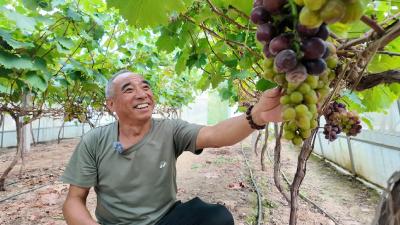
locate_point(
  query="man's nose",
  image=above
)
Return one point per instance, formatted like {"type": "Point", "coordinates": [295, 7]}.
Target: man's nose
{"type": "Point", "coordinates": [140, 93]}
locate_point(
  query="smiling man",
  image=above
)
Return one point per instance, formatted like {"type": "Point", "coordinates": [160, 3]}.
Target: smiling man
{"type": "Point", "coordinates": [131, 162]}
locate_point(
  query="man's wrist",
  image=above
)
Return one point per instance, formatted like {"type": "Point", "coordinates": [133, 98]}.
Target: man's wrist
{"type": "Point", "coordinates": [250, 118]}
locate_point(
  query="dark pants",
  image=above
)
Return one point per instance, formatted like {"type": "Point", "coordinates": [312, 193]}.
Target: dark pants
{"type": "Point", "coordinates": [197, 212]}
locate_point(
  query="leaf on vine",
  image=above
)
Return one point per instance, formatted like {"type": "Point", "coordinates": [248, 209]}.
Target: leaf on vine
{"type": "Point", "coordinates": [23, 22]}
{"type": "Point", "coordinates": [34, 80]}
{"type": "Point", "coordinates": [378, 99]}
{"type": "Point", "coordinates": [65, 42]}
{"type": "Point", "coordinates": [241, 75]}
{"type": "Point", "coordinates": [143, 13]}
{"type": "Point", "coordinates": [180, 65]}
{"type": "Point", "coordinates": [6, 36]}
{"type": "Point", "coordinates": [368, 122]}
{"type": "Point", "coordinates": [10, 61]}
{"type": "Point", "coordinates": [263, 85]}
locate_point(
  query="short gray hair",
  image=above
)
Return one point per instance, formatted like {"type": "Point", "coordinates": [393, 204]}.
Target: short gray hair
{"type": "Point", "coordinates": [109, 87]}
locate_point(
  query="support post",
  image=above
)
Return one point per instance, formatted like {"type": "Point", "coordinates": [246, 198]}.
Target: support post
{"type": "Point", "coordinates": [320, 144]}
{"type": "Point", "coordinates": [38, 132]}
{"type": "Point", "coordinates": [353, 169]}
{"type": "Point", "coordinates": [2, 131]}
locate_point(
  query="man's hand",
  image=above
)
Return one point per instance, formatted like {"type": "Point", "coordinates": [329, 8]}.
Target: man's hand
{"type": "Point", "coordinates": [268, 108]}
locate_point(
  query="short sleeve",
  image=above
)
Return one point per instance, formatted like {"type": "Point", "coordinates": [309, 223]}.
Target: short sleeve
{"type": "Point", "coordinates": [185, 136]}
{"type": "Point", "coordinates": [81, 169]}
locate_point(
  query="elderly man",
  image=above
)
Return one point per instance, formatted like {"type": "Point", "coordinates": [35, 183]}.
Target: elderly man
{"type": "Point", "coordinates": [131, 162]}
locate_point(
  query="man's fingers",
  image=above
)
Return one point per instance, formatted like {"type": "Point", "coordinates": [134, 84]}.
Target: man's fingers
{"type": "Point", "coordinates": [272, 93]}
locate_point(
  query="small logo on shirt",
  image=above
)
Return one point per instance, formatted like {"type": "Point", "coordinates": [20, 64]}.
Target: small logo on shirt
{"type": "Point", "coordinates": [162, 164]}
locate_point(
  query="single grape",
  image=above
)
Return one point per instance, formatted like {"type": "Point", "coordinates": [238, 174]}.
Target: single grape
{"type": "Point", "coordinates": [311, 97]}
{"type": "Point", "coordinates": [285, 61]}
{"type": "Point", "coordinates": [304, 88]}
{"type": "Point", "coordinates": [265, 33]}
{"type": "Point", "coordinates": [274, 6]}
{"type": "Point", "coordinates": [257, 3]}
{"type": "Point", "coordinates": [304, 31]}
{"type": "Point", "coordinates": [313, 124]}
{"type": "Point", "coordinates": [333, 11]}
{"type": "Point", "coordinates": [299, 2]}
{"type": "Point", "coordinates": [284, 100]}
{"type": "Point", "coordinates": [305, 133]}
{"type": "Point", "coordinates": [313, 48]}
{"type": "Point", "coordinates": [297, 75]}
{"type": "Point", "coordinates": [301, 109]}
{"type": "Point", "coordinates": [312, 81]}
{"type": "Point", "coordinates": [297, 141]}
{"type": "Point", "coordinates": [266, 52]}
{"type": "Point", "coordinates": [323, 32]}
{"type": "Point", "coordinates": [289, 114]}
{"type": "Point", "coordinates": [292, 126]}
{"type": "Point", "coordinates": [259, 15]}
{"type": "Point", "coordinates": [279, 43]}
{"type": "Point", "coordinates": [314, 5]}
{"type": "Point", "coordinates": [296, 97]}
{"type": "Point", "coordinates": [309, 18]}
{"type": "Point", "coordinates": [303, 122]}
{"type": "Point", "coordinates": [332, 62]}
{"type": "Point", "coordinates": [316, 66]}
{"type": "Point", "coordinates": [288, 135]}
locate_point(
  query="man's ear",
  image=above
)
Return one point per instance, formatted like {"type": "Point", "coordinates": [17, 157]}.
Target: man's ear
{"type": "Point", "coordinates": [110, 105]}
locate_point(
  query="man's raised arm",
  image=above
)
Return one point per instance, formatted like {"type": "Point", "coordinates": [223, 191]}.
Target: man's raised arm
{"type": "Point", "coordinates": [233, 130]}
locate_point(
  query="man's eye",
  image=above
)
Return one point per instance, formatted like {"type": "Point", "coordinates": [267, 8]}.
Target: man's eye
{"type": "Point", "coordinates": [128, 90]}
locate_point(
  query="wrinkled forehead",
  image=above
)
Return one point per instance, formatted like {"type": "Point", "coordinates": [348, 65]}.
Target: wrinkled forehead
{"type": "Point", "coordinates": [128, 77]}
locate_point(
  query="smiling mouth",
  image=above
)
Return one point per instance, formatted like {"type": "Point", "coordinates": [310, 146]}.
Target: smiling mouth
{"type": "Point", "coordinates": [142, 106]}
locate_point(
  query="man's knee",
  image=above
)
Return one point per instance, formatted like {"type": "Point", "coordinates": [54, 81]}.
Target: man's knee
{"type": "Point", "coordinates": [219, 215]}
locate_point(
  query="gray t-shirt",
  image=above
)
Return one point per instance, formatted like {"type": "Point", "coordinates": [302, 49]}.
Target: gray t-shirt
{"type": "Point", "coordinates": [137, 186]}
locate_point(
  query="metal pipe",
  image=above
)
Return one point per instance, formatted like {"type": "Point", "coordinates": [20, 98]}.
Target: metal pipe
{"type": "Point", "coordinates": [38, 132]}
{"type": "Point", "coordinates": [353, 169]}
{"type": "Point", "coordinates": [320, 144]}
{"type": "Point", "coordinates": [2, 131]}
{"type": "Point", "coordinates": [372, 143]}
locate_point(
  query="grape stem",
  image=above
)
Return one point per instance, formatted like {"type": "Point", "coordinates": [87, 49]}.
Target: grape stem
{"type": "Point", "coordinates": [293, 9]}
{"type": "Point", "coordinates": [223, 15]}
{"type": "Point", "coordinates": [372, 80]}
{"type": "Point", "coordinates": [373, 24]}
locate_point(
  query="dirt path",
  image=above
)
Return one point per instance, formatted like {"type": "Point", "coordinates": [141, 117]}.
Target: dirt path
{"type": "Point", "coordinates": [217, 176]}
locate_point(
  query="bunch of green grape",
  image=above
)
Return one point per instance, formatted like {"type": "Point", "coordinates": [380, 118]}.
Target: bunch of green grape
{"type": "Point", "coordinates": [298, 55]}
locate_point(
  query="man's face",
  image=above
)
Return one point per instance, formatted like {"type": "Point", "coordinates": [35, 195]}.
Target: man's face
{"type": "Point", "coordinates": [132, 98]}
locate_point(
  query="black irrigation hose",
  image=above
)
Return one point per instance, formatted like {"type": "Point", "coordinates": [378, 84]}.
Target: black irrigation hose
{"type": "Point", "coordinates": [259, 201]}
{"type": "Point", "coordinates": [321, 210]}
{"type": "Point", "coordinates": [23, 192]}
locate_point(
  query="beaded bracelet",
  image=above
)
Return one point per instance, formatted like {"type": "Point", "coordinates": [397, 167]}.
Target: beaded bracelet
{"type": "Point", "coordinates": [250, 119]}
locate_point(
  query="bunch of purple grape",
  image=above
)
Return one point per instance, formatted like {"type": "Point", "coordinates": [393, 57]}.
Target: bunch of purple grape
{"type": "Point", "coordinates": [338, 120]}
{"type": "Point", "coordinates": [297, 50]}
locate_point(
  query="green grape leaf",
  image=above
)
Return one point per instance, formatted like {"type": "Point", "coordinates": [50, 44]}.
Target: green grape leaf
{"type": "Point", "coordinates": [241, 75]}
{"type": "Point", "coordinates": [263, 85]}
{"type": "Point", "coordinates": [3, 85]}
{"type": "Point", "coordinates": [23, 22]}
{"type": "Point", "coordinates": [143, 13]}
{"type": "Point", "coordinates": [34, 80]}
{"type": "Point", "coordinates": [6, 36]}
{"type": "Point", "coordinates": [378, 99]}
{"type": "Point", "coordinates": [204, 82]}
{"type": "Point", "coordinates": [11, 61]}
{"type": "Point", "coordinates": [65, 42]}
{"type": "Point", "coordinates": [180, 65]}
{"type": "Point", "coordinates": [368, 122]}
{"type": "Point", "coordinates": [166, 42]}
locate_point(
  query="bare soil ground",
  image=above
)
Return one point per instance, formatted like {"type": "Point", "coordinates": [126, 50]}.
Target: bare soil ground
{"type": "Point", "coordinates": [217, 176]}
